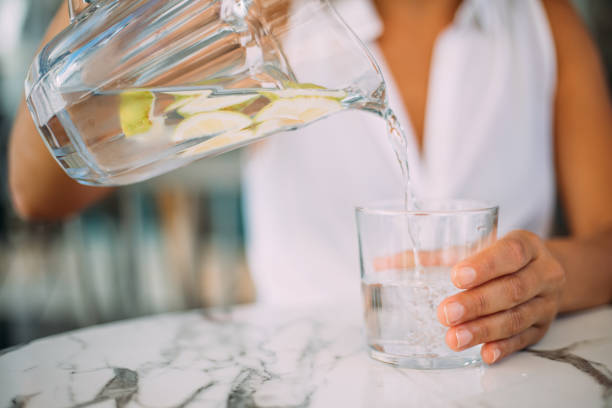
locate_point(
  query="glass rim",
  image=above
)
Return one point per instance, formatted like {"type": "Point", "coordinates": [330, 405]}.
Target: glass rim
{"type": "Point", "coordinates": [396, 207]}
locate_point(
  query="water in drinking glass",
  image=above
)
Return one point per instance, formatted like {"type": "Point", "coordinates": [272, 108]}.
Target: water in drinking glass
{"type": "Point", "coordinates": [400, 297]}
{"type": "Point", "coordinates": [401, 316]}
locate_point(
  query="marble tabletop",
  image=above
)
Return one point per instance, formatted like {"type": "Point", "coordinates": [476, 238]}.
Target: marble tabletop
{"type": "Point", "coordinates": [259, 356]}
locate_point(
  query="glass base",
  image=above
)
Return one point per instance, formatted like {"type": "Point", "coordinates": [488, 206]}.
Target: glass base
{"type": "Point", "coordinates": [426, 362]}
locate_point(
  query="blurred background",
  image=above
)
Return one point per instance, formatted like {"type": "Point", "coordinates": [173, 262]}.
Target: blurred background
{"type": "Point", "coordinates": [170, 244]}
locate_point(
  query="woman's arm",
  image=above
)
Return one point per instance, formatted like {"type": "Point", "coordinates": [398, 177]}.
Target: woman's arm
{"type": "Point", "coordinates": [39, 187]}
{"type": "Point", "coordinates": [515, 288]}
{"type": "Point", "coordinates": [583, 139]}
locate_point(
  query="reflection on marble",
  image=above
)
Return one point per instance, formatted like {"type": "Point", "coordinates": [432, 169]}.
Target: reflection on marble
{"type": "Point", "coordinates": [266, 357]}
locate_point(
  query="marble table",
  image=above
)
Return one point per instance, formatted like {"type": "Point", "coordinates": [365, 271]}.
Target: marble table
{"type": "Point", "coordinates": [258, 356]}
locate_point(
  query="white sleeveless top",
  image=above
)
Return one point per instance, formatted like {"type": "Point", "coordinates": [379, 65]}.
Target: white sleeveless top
{"type": "Point", "coordinates": [488, 136]}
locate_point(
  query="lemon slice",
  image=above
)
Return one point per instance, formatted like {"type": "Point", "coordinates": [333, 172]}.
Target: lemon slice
{"type": "Point", "coordinates": [274, 125]}
{"type": "Point", "coordinates": [204, 93]}
{"type": "Point", "coordinates": [210, 123]}
{"type": "Point", "coordinates": [219, 142]}
{"type": "Point", "coordinates": [184, 97]}
{"type": "Point", "coordinates": [300, 109]}
{"type": "Point", "coordinates": [214, 103]}
{"type": "Point", "coordinates": [135, 112]}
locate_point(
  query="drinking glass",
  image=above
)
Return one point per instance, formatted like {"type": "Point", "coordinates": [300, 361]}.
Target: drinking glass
{"type": "Point", "coordinates": [406, 257]}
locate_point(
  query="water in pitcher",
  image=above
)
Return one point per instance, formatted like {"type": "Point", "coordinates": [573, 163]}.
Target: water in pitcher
{"type": "Point", "coordinates": [153, 129]}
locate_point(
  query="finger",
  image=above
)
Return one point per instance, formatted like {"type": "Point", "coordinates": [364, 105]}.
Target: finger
{"type": "Point", "coordinates": [495, 351]}
{"type": "Point", "coordinates": [502, 325]}
{"type": "Point", "coordinates": [507, 255]}
{"type": "Point", "coordinates": [499, 294]}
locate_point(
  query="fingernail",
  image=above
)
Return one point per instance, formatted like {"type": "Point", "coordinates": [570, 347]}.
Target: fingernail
{"type": "Point", "coordinates": [496, 355]}
{"type": "Point", "coordinates": [464, 336]}
{"type": "Point", "coordinates": [453, 311]}
{"type": "Point", "coordinates": [464, 276]}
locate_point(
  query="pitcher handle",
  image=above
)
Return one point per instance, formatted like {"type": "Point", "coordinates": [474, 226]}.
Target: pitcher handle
{"type": "Point", "coordinates": [76, 6]}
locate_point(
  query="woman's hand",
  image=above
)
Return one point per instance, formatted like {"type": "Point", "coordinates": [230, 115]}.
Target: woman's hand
{"type": "Point", "coordinates": [512, 294]}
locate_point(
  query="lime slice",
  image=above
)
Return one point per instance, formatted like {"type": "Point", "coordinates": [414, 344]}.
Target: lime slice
{"type": "Point", "coordinates": [301, 85]}
{"type": "Point", "coordinates": [214, 103]}
{"type": "Point", "coordinates": [157, 130]}
{"type": "Point", "coordinates": [300, 109]}
{"type": "Point", "coordinates": [210, 123]}
{"type": "Point", "coordinates": [135, 111]}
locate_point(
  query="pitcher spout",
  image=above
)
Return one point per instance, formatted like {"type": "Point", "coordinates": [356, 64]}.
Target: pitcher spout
{"type": "Point", "coordinates": [75, 7]}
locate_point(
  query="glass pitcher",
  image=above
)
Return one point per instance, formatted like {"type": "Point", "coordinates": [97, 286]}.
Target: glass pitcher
{"type": "Point", "coordinates": [135, 88]}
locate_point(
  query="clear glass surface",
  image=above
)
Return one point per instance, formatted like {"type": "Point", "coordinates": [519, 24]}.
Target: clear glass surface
{"type": "Point", "coordinates": [401, 296]}
{"type": "Point", "coordinates": [133, 89]}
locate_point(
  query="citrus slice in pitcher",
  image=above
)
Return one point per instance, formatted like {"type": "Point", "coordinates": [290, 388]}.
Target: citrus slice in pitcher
{"type": "Point", "coordinates": [182, 98]}
{"type": "Point", "coordinates": [135, 112]}
{"type": "Point", "coordinates": [299, 109]}
{"type": "Point", "coordinates": [210, 124]}
{"type": "Point", "coordinates": [310, 92]}
{"type": "Point", "coordinates": [207, 103]}
{"type": "Point", "coordinates": [217, 143]}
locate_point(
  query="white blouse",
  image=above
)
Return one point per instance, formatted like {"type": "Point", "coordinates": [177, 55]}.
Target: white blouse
{"type": "Point", "coordinates": [488, 135]}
